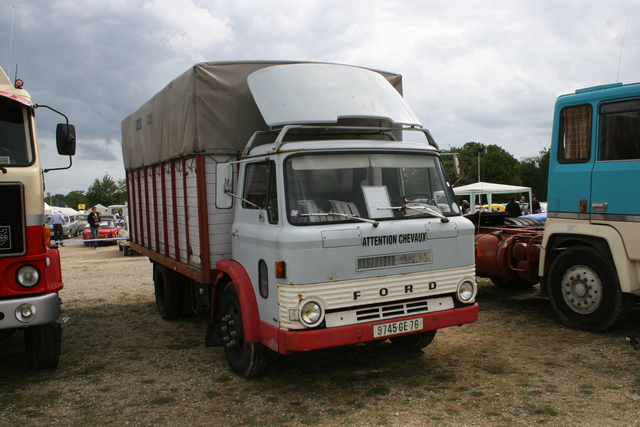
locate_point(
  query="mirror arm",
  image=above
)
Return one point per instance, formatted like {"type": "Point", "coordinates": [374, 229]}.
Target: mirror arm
{"type": "Point", "coordinates": [67, 122]}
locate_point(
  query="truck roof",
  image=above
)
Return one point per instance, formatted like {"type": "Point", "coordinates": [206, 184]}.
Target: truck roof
{"type": "Point", "coordinates": [8, 90]}
{"type": "Point", "coordinates": [208, 109]}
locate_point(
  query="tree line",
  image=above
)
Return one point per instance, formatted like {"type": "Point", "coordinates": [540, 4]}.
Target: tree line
{"type": "Point", "coordinates": [106, 192]}
{"type": "Point", "coordinates": [499, 167]}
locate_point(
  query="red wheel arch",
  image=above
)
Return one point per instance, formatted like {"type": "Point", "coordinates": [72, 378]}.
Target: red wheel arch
{"type": "Point", "coordinates": [246, 294]}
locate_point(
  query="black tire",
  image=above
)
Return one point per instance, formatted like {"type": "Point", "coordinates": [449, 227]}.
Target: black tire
{"type": "Point", "coordinates": [43, 344]}
{"type": "Point", "coordinates": [585, 291]}
{"type": "Point", "coordinates": [168, 295]}
{"type": "Point", "coordinates": [512, 284]}
{"type": "Point", "coordinates": [246, 359]}
{"type": "Point", "coordinates": [120, 247]}
{"type": "Point", "coordinates": [414, 341]}
{"type": "Point", "coordinates": [126, 251]}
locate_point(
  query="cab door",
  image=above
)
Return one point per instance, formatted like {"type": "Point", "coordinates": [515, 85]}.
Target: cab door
{"type": "Point", "coordinates": [255, 231]}
{"type": "Point", "coordinates": [616, 172]}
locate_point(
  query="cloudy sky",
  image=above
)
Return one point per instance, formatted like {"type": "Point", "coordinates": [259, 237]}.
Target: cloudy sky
{"type": "Point", "coordinates": [486, 71]}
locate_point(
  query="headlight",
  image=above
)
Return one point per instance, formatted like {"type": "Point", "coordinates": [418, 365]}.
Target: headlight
{"type": "Point", "coordinates": [28, 276]}
{"type": "Point", "coordinates": [466, 292]}
{"type": "Point", "coordinates": [25, 313]}
{"type": "Point", "coordinates": [311, 313]}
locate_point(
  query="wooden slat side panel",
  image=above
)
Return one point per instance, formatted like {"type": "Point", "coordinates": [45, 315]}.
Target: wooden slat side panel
{"type": "Point", "coordinates": [220, 220]}
{"type": "Point", "coordinates": [191, 212]}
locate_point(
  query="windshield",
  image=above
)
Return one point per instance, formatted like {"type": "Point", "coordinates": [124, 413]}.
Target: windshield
{"type": "Point", "coordinates": [15, 141]}
{"type": "Point", "coordinates": [345, 187]}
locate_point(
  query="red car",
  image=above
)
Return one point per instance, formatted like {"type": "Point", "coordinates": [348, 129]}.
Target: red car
{"type": "Point", "coordinates": [108, 229]}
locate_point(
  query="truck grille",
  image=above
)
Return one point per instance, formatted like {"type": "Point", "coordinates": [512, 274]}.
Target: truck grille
{"type": "Point", "coordinates": [393, 260]}
{"type": "Point", "coordinates": [391, 310]}
{"type": "Point", "coordinates": [12, 226]}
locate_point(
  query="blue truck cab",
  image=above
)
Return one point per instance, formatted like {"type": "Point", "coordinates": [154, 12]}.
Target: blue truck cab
{"type": "Point", "coordinates": [590, 263]}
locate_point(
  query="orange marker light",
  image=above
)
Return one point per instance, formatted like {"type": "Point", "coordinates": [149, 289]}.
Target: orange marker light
{"type": "Point", "coordinates": [583, 205]}
{"type": "Point", "coordinates": [46, 236]}
{"type": "Point", "coordinates": [281, 270]}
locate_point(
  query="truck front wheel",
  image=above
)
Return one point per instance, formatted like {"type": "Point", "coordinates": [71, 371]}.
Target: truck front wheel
{"type": "Point", "coordinates": [414, 341]}
{"type": "Point", "coordinates": [585, 291]}
{"type": "Point", "coordinates": [168, 296]}
{"type": "Point", "coordinates": [43, 344]}
{"type": "Point", "coordinates": [247, 359]}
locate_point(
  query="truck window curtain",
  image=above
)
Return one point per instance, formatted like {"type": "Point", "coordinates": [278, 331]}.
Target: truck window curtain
{"type": "Point", "coordinates": [575, 134]}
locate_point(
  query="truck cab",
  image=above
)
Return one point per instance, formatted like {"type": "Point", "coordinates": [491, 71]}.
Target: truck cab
{"type": "Point", "coordinates": [591, 253]}
{"type": "Point", "coordinates": [30, 274]}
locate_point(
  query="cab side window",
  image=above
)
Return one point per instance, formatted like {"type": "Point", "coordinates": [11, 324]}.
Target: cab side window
{"type": "Point", "coordinates": [620, 131]}
{"type": "Point", "coordinates": [260, 191]}
{"type": "Point", "coordinates": [575, 134]}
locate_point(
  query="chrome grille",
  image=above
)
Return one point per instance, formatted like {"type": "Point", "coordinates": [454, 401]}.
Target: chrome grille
{"type": "Point", "coordinates": [12, 220]}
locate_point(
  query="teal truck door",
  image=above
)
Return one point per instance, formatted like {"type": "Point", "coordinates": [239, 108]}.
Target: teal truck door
{"type": "Point", "coordinates": [616, 173]}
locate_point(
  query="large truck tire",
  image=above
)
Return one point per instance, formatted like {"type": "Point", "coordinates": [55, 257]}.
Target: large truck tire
{"type": "Point", "coordinates": [126, 251]}
{"type": "Point", "coordinates": [414, 341]}
{"type": "Point", "coordinates": [246, 359]}
{"type": "Point", "coordinates": [585, 291]}
{"type": "Point", "coordinates": [168, 295]}
{"type": "Point", "coordinates": [43, 344]}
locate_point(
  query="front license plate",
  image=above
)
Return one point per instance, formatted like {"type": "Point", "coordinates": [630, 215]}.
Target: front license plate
{"type": "Point", "coordinates": [394, 328]}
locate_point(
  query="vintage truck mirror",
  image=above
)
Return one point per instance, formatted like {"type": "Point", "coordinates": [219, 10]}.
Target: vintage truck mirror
{"type": "Point", "coordinates": [456, 165]}
{"type": "Point", "coordinates": [66, 139]}
{"type": "Point", "coordinates": [224, 185]}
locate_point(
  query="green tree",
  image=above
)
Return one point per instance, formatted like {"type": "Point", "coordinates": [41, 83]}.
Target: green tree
{"type": "Point", "coordinates": [106, 192]}
{"type": "Point", "coordinates": [75, 198]}
{"type": "Point", "coordinates": [496, 165]}
{"type": "Point", "coordinates": [534, 173]}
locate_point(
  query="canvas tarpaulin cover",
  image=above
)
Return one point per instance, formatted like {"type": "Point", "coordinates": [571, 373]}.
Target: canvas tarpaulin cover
{"type": "Point", "coordinates": [207, 109]}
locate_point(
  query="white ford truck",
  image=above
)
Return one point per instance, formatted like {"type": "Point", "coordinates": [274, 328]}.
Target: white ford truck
{"type": "Point", "coordinates": [291, 202]}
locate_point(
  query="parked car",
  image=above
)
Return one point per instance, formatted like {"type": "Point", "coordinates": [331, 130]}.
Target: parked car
{"type": "Point", "coordinates": [123, 245]}
{"type": "Point", "coordinates": [70, 228]}
{"type": "Point", "coordinates": [81, 219]}
{"type": "Point", "coordinates": [108, 230]}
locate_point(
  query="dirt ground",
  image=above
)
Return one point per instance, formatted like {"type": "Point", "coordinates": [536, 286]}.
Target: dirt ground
{"type": "Point", "coordinates": [123, 365]}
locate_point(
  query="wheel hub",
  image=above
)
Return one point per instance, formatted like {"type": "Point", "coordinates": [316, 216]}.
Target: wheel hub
{"type": "Point", "coordinates": [231, 337]}
{"type": "Point", "coordinates": [582, 289]}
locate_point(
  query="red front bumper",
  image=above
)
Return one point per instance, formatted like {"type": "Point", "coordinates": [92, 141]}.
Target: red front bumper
{"type": "Point", "coordinates": [286, 342]}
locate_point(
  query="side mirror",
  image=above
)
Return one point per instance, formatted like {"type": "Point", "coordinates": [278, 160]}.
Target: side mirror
{"type": "Point", "coordinates": [66, 139]}
{"type": "Point", "coordinates": [224, 185]}
{"type": "Point", "coordinates": [456, 165]}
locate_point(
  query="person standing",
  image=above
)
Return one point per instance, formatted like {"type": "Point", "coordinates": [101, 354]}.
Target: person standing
{"type": "Point", "coordinates": [513, 208]}
{"type": "Point", "coordinates": [93, 219]}
{"type": "Point", "coordinates": [57, 219]}
{"type": "Point", "coordinates": [535, 204]}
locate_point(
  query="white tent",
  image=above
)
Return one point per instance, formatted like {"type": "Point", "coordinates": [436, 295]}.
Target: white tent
{"type": "Point", "coordinates": [477, 189]}
{"type": "Point", "coordinates": [48, 210]}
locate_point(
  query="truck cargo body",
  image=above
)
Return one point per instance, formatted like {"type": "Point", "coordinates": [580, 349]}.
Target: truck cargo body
{"type": "Point", "coordinates": [316, 230]}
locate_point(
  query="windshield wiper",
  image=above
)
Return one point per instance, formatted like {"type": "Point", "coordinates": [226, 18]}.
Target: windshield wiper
{"type": "Point", "coordinates": [370, 221]}
{"type": "Point", "coordinates": [421, 208]}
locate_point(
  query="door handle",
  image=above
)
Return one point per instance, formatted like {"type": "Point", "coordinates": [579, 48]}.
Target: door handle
{"type": "Point", "coordinates": [599, 206]}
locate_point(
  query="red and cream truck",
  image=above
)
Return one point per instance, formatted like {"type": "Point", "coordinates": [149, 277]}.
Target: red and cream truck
{"type": "Point", "coordinates": [30, 273]}
{"type": "Point", "coordinates": [291, 201]}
